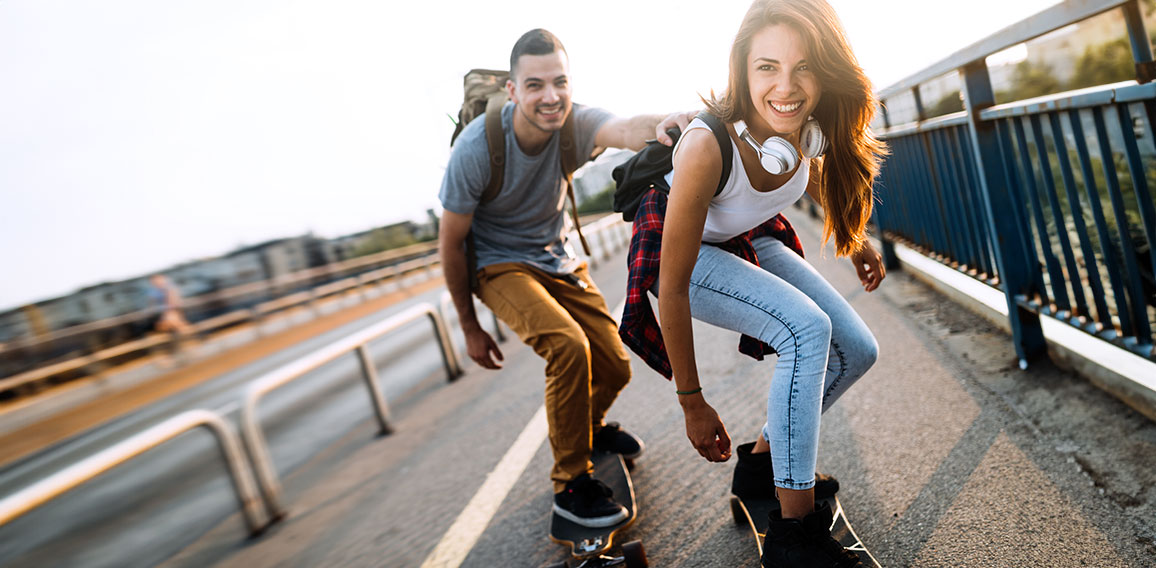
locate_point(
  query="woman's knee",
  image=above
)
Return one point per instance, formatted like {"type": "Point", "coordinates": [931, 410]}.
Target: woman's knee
{"type": "Point", "coordinates": [814, 324]}
{"type": "Point", "coordinates": [804, 330]}
{"type": "Point", "coordinates": [861, 351]}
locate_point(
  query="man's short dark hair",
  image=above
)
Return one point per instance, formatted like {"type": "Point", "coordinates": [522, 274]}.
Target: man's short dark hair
{"type": "Point", "coordinates": [535, 42]}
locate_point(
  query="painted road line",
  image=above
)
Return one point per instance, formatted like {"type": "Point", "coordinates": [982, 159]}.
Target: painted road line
{"type": "Point", "coordinates": [456, 544]}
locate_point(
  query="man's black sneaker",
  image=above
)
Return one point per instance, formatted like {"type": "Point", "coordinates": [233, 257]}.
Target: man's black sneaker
{"type": "Point", "coordinates": [807, 543]}
{"type": "Point", "coordinates": [611, 438]}
{"type": "Point", "coordinates": [588, 502]}
{"type": "Point", "coordinates": [754, 478]}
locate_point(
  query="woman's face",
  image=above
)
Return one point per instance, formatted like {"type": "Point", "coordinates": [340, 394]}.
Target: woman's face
{"type": "Point", "coordinates": [784, 89]}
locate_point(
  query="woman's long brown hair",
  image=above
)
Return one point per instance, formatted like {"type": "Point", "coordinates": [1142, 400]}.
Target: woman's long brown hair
{"type": "Point", "coordinates": [844, 112]}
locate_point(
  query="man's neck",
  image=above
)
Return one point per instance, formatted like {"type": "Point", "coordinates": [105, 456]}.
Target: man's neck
{"type": "Point", "coordinates": [531, 139]}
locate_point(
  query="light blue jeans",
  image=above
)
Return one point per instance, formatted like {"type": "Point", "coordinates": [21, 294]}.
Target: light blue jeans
{"type": "Point", "coordinates": [823, 345]}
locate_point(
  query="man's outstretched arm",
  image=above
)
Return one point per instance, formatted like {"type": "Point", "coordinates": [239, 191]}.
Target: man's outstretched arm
{"type": "Point", "coordinates": [632, 133]}
{"type": "Point", "coordinates": [452, 233]}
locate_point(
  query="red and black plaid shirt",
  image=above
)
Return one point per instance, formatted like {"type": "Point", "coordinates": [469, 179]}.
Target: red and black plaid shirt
{"type": "Point", "coordinates": [639, 328]}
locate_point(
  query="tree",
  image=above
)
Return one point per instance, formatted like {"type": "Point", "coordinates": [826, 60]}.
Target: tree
{"type": "Point", "coordinates": [1109, 62]}
{"type": "Point", "coordinates": [951, 102]}
{"type": "Point", "coordinates": [1031, 80]}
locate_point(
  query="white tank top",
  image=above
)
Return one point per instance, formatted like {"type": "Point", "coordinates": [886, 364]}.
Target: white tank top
{"type": "Point", "coordinates": [739, 207]}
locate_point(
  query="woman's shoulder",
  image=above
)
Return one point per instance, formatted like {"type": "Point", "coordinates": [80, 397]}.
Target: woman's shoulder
{"type": "Point", "coordinates": [699, 138]}
{"type": "Point", "coordinates": [697, 148]}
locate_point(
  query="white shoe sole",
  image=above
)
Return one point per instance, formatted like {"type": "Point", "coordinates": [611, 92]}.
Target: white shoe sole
{"type": "Point", "coordinates": [592, 522]}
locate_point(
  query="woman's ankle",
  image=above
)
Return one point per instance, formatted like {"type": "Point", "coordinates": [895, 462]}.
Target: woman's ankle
{"type": "Point", "coordinates": [796, 503]}
{"type": "Point", "coordinates": [761, 446]}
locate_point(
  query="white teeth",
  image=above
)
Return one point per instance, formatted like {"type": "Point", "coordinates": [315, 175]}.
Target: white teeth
{"type": "Point", "coordinates": [787, 108]}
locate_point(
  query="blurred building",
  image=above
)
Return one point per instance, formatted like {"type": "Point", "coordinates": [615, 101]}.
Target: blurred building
{"type": "Point", "coordinates": [594, 177]}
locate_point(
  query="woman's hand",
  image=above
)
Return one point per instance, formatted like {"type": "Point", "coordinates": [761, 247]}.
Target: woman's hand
{"type": "Point", "coordinates": [705, 430]}
{"type": "Point", "coordinates": [869, 265]}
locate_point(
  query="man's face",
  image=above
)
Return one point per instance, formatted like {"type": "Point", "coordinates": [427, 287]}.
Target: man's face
{"type": "Point", "coordinates": [541, 88]}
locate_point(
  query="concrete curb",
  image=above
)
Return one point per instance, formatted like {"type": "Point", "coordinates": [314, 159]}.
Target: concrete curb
{"type": "Point", "coordinates": [1128, 377]}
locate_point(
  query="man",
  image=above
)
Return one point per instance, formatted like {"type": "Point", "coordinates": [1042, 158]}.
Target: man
{"type": "Point", "coordinates": [527, 273]}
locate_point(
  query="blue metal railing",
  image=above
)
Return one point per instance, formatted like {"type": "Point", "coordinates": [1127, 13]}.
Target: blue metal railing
{"type": "Point", "coordinates": [1049, 198]}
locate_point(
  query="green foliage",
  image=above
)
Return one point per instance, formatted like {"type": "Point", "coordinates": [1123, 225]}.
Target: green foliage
{"type": "Point", "coordinates": [1106, 63]}
{"type": "Point", "coordinates": [951, 102]}
{"type": "Point", "coordinates": [601, 202]}
{"type": "Point", "coordinates": [381, 240]}
{"type": "Point", "coordinates": [1031, 80]}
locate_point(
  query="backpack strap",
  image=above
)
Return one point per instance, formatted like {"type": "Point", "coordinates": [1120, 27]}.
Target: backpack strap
{"type": "Point", "coordinates": [568, 148]}
{"type": "Point", "coordinates": [724, 144]}
{"type": "Point", "coordinates": [496, 140]}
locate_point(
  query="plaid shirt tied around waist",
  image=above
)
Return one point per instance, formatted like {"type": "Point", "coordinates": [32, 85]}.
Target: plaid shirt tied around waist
{"type": "Point", "coordinates": [639, 328]}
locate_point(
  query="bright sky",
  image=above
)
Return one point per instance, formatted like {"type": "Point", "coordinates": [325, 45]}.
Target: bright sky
{"type": "Point", "coordinates": [136, 134]}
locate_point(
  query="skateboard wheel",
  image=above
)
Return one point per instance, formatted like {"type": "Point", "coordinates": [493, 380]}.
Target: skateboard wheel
{"type": "Point", "coordinates": [737, 511]}
{"type": "Point", "coordinates": [634, 554]}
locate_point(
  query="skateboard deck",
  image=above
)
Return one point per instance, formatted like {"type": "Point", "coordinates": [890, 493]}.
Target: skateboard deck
{"type": "Point", "coordinates": [755, 513]}
{"type": "Point", "coordinates": [590, 545]}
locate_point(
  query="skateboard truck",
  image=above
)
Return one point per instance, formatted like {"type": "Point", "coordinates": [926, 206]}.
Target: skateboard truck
{"type": "Point", "coordinates": [633, 556]}
{"type": "Point", "coordinates": [590, 545]}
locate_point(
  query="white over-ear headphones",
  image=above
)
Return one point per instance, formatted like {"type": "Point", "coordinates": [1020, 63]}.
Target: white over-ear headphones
{"type": "Point", "coordinates": [777, 155]}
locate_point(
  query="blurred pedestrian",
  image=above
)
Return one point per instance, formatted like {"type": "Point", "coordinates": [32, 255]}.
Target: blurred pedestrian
{"type": "Point", "coordinates": [166, 298]}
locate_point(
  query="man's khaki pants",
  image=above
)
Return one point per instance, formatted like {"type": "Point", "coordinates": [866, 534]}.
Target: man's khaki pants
{"type": "Point", "coordinates": [571, 328]}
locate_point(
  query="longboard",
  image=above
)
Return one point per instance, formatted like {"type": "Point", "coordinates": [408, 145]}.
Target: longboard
{"type": "Point", "coordinates": [756, 514]}
{"type": "Point", "coordinates": [590, 546]}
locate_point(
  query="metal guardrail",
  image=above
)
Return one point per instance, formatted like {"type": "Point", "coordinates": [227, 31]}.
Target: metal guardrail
{"type": "Point", "coordinates": [240, 291]}
{"type": "Point", "coordinates": [609, 232]}
{"type": "Point", "coordinates": [446, 307]}
{"type": "Point", "coordinates": [255, 314]}
{"type": "Point", "coordinates": [1046, 198]}
{"type": "Point", "coordinates": [251, 429]}
{"type": "Point", "coordinates": [261, 481]}
{"type": "Point", "coordinates": [24, 500]}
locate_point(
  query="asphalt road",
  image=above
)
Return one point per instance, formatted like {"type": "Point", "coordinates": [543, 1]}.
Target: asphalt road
{"type": "Point", "coordinates": [149, 508]}
{"type": "Point", "coordinates": [948, 455]}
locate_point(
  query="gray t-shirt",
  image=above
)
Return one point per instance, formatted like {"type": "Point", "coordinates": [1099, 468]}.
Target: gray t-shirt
{"type": "Point", "coordinates": [525, 222]}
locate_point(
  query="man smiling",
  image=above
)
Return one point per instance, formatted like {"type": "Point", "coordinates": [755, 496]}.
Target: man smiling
{"type": "Point", "coordinates": [527, 272]}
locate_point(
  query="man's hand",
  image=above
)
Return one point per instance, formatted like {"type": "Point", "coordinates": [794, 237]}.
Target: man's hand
{"type": "Point", "coordinates": [679, 119]}
{"type": "Point", "coordinates": [480, 346]}
{"type": "Point", "coordinates": [705, 429]}
{"type": "Point", "coordinates": [869, 265]}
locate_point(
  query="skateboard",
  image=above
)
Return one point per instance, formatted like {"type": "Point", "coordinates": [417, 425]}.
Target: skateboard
{"type": "Point", "coordinates": [590, 546]}
{"type": "Point", "coordinates": [755, 512]}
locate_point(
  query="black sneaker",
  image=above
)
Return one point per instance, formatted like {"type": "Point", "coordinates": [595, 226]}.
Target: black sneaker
{"type": "Point", "coordinates": [588, 502]}
{"type": "Point", "coordinates": [791, 543]}
{"type": "Point", "coordinates": [754, 478]}
{"type": "Point", "coordinates": [611, 438]}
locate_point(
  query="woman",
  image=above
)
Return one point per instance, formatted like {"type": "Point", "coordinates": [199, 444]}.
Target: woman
{"type": "Point", "coordinates": [732, 260]}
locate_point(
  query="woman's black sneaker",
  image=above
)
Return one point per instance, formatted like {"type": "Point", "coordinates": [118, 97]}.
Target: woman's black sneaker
{"type": "Point", "coordinates": [611, 438]}
{"type": "Point", "coordinates": [588, 502]}
{"type": "Point", "coordinates": [754, 477]}
{"type": "Point", "coordinates": [806, 543]}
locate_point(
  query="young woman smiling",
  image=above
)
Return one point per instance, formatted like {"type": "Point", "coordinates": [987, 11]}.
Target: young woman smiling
{"type": "Point", "coordinates": [795, 93]}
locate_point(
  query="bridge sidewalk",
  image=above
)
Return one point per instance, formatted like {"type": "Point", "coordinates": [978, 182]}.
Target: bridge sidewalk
{"type": "Point", "coordinates": [948, 454]}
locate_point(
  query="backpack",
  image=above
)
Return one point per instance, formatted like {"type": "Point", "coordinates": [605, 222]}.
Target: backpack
{"type": "Point", "coordinates": [485, 94]}
{"type": "Point", "coordinates": [647, 168]}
